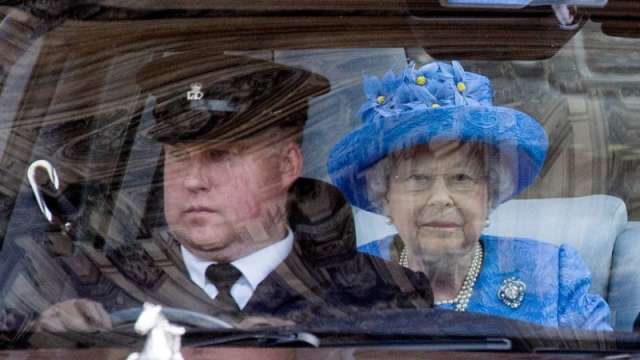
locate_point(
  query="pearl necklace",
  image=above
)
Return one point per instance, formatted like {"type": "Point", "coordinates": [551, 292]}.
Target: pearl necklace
{"type": "Point", "coordinates": [461, 301]}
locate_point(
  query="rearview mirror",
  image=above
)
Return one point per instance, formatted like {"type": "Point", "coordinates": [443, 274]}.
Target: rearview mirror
{"type": "Point", "coordinates": [516, 4]}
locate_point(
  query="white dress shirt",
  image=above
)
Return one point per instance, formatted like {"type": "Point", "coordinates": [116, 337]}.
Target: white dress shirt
{"type": "Point", "coordinates": [254, 267]}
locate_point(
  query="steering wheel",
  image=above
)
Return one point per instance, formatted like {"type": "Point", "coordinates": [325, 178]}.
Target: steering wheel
{"type": "Point", "coordinates": [126, 317]}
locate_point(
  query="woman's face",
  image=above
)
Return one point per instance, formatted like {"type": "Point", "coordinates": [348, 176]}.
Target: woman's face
{"type": "Point", "coordinates": [437, 198]}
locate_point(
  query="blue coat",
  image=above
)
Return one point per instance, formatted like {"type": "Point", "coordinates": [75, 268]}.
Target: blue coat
{"type": "Point", "coordinates": [557, 283]}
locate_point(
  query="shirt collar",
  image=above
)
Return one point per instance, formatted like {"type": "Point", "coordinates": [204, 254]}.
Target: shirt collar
{"type": "Point", "coordinates": [255, 267]}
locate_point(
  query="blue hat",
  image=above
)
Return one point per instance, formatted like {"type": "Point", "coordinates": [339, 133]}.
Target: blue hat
{"type": "Point", "coordinates": [438, 101]}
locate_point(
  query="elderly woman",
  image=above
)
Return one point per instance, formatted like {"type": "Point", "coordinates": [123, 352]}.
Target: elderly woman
{"type": "Point", "coordinates": [435, 156]}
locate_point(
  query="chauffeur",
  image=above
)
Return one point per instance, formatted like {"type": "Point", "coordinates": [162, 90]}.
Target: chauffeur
{"type": "Point", "coordinates": [234, 200]}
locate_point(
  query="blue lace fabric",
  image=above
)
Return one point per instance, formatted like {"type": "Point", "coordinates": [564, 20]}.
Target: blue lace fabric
{"type": "Point", "coordinates": [557, 281]}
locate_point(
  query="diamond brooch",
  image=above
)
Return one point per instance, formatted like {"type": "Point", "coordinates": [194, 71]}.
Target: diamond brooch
{"type": "Point", "coordinates": [512, 292]}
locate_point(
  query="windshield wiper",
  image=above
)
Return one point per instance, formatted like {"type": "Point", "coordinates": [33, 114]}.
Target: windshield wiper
{"type": "Point", "coordinates": [437, 343]}
{"type": "Point", "coordinates": [268, 339]}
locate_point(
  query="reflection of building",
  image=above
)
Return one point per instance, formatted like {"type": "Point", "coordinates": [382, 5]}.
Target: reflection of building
{"type": "Point", "coordinates": [591, 113]}
{"type": "Point", "coordinates": [587, 98]}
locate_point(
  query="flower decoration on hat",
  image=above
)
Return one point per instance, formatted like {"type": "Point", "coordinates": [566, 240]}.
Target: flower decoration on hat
{"type": "Point", "coordinates": [433, 86]}
{"type": "Point", "coordinates": [458, 76]}
{"type": "Point", "coordinates": [378, 93]}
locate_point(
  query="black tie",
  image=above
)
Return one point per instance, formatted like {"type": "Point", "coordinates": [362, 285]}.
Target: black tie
{"type": "Point", "coordinates": [223, 276]}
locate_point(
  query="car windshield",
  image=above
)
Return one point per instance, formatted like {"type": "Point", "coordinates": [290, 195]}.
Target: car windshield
{"type": "Point", "coordinates": [362, 173]}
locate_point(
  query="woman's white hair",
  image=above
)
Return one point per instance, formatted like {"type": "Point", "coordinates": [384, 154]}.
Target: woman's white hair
{"type": "Point", "coordinates": [498, 166]}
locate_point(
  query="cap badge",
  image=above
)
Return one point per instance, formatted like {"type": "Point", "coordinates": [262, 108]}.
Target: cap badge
{"type": "Point", "coordinates": [196, 92]}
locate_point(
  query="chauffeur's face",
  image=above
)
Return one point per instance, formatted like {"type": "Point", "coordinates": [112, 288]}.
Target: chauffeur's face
{"type": "Point", "coordinates": [438, 198]}
{"type": "Point", "coordinates": [223, 203]}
